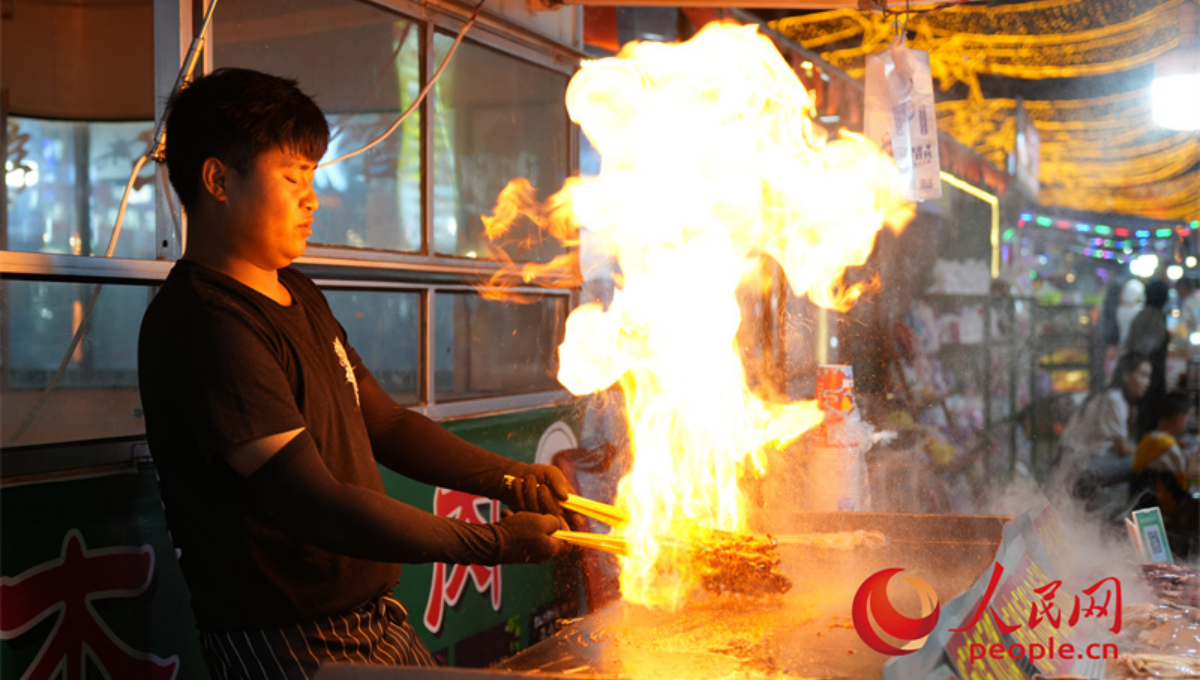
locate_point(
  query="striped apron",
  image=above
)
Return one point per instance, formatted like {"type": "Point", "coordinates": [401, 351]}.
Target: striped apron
{"type": "Point", "coordinates": [376, 633]}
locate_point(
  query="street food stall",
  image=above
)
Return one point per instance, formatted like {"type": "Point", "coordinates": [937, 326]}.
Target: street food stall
{"type": "Point", "coordinates": [728, 190]}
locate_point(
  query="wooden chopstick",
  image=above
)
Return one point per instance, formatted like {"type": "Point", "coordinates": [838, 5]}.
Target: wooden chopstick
{"type": "Point", "coordinates": [609, 514]}
{"type": "Point", "coordinates": [613, 544]}
{"type": "Point", "coordinates": [603, 512]}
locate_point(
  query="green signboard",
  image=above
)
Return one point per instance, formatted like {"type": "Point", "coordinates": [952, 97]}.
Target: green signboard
{"type": "Point", "coordinates": [473, 616]}
{"type": "Point", "coordinates": [88, 575]}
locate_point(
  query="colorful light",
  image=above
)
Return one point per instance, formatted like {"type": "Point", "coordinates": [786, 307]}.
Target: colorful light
{"type": "Point", "coordinates": [1143, 236]}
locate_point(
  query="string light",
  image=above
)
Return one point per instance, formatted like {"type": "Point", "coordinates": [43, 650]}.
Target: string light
{"type": "Point", "coordinates": [1060, 224]}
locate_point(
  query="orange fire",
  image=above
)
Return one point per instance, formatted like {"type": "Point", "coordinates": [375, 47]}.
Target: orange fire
{"type": "Point", "coordinates": [710, 160]}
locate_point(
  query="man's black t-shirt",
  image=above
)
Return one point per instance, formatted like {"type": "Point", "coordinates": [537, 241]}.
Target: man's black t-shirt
{"type": "Point", "coordinates": [221, 364]}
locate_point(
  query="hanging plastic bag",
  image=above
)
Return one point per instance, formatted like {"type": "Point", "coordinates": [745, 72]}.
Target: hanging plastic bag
{"type": "Point", "coordinates": [900, 117]}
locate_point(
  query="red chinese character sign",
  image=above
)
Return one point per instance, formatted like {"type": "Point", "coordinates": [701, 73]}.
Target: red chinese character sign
{"type": "Point", "coordinates": [450, 580]}
{"type": "Point", "coordinates": [66, 588]}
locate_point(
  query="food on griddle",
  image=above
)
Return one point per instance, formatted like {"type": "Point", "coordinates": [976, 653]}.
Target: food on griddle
{"type": "Point", "coordinates": [738, 563]}
{"type": "Point", "coordinates": [727, 562]}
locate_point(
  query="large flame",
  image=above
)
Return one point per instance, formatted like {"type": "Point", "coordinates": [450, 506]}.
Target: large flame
{"type": "Point", "coordinates": [710, 161]}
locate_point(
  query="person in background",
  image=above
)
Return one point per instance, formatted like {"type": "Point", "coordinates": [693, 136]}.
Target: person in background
{"type": "Point", "coordinates": [1189, 309]}
{"type": "Point", "coordinates": [1148, 336]}
{"type": "Point", "coordinates": [266, 428]}
{"type": "Point", "coordinates": [1133, 297]}
{"type": "Point", "coordinates": [1105, 347]}
{"type": "Point", "coordinates": [1095, 448]}
{"type": "Point", "coordinates": [1160, 470]}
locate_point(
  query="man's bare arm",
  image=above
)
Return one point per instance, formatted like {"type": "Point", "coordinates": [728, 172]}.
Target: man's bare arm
{"type": "Point", "coordinates": [246, 458]}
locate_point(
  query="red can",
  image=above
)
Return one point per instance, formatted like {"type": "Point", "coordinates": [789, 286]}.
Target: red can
{"type": "Point", "coordinates": [835, 391]}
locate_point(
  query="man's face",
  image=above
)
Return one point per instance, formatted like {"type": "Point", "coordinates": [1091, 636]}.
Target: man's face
{"type": "Point", "coordinates": [270, 208]}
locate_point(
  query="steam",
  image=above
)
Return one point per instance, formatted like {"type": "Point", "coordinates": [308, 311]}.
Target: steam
{"type": "Point", "coordinates": [1099, 544]}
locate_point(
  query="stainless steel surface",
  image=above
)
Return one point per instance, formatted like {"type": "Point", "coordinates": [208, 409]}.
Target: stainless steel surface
{"type": "Point", "coordinates": [355, 672]}
{"type": "Point", "coordinates": [57, 266]}
{"type": "Point", "coordinates": [804, 633]}
{"type": "Point", "coordinates": [35, 464]}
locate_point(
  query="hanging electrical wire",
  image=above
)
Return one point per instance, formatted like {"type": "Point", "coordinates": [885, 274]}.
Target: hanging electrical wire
{"type": "Point", "coordinates": [420, 96]}
{"type": "Point", "coordinates": [153, 152]}
{"type": "Point", "coordinates": [927, 10]}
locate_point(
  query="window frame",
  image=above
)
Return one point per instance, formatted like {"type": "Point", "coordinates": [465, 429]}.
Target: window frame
{"type": "Point", "coordinates": [428, 403]}
{"type": "Point", "coordinates": [336, 267]}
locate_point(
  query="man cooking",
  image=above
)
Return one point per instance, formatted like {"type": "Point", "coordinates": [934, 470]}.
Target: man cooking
{"type": "Point", "coordinates": [267, 429]}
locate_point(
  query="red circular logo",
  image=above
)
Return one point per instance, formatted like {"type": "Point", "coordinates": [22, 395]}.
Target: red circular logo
{"type": "Point", "coordinates": [873, 612]}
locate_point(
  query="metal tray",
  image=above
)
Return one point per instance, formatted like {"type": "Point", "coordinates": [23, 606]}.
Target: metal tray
{"type": "Point", "coordinates": [806, 633]}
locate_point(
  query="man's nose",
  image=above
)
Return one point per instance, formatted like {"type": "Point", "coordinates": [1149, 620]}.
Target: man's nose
{"type": "Point", "coordinates": [310, 200]}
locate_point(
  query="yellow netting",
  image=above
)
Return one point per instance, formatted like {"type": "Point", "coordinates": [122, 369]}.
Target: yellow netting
{"type": "Point", "coordinates": [1100, 154]}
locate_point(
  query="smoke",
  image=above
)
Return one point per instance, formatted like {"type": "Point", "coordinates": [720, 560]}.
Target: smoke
{"type": "Point", "coordinates": [1097, 543]}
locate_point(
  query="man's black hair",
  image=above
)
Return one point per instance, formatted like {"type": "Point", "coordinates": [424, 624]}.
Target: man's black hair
{"type": "Point", "coordinates": [236, 115]}
{"type": "Point", "coordinates": [1157, 292]}
{"type": "Point", "coordinates": [1173, 404]}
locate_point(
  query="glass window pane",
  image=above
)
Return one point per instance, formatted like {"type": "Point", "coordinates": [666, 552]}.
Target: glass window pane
{"type": "Point", "coordinates": [487, 348]}
{"type": "Point", "coordinates": [97, 395]}
{"type": "Point", "coordinates": [47, 163]}
{"type": "Point", "coordinates": [494, 118]}
{"type": "Point", "coordinates": [361, 65]}
{"type": "Point", "coordinates": [385, 329]}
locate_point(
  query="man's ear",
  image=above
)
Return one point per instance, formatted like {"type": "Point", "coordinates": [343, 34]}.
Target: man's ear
{"type": "Point", "coordinates": [213, 175]}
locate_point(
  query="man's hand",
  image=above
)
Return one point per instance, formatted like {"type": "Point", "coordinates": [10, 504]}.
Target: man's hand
{"type": "Point", "coordinates": [525, 538]}
{"type": "Point", "coordinates": [536, 488]}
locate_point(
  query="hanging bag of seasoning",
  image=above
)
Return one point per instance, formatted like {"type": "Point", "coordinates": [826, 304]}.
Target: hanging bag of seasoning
{"type": "Point", "coordinates": [900, 118]}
